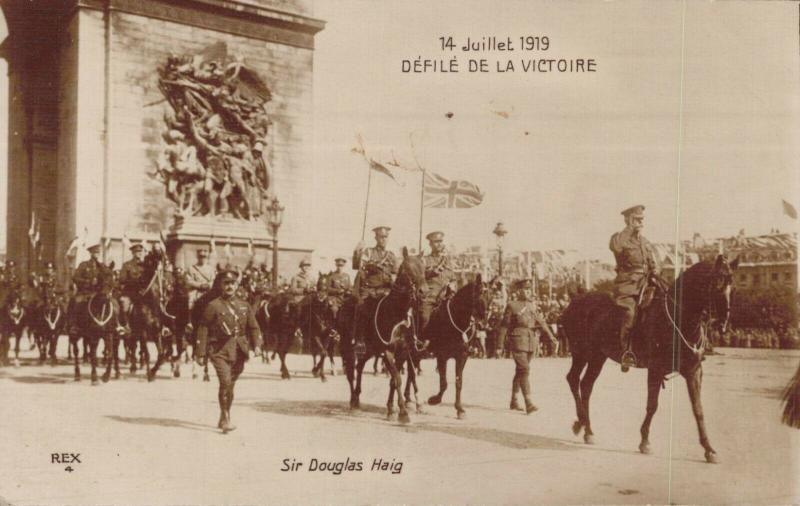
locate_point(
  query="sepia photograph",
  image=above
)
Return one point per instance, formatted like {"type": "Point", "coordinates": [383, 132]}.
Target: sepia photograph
{"type": "Point", "coordinates": [306, 252]}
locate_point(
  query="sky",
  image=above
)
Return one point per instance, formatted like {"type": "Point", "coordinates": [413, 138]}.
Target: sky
{"type": "Point", "coordinates": [693, 112]}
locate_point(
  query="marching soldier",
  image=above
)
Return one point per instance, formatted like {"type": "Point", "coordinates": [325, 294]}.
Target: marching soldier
{"type": "Point", "coordinates": [130, 277]}
{"type": "Point", "coordinates": [200, 276]}
{"type": "Point", "coordinates": [520, 318]}
{"type": "Point", "coordinates": [299, 286]}
{"type": "Point", "coordinates": [635, 262]}
{"type": "Point", "coordinates": [376, 266]}
{"type": "Point", "coordinates": [85, 280]}
{"type": "Point", "coordinates": [338, 285]}
{"type": "Point", "coordinates": [440, 276]}
{"type": "Point", "coordinates": [227, 331]}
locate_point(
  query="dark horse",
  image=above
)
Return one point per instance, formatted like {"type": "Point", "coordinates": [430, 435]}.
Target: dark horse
{"type": "Point", "coordinates": [98, 318]}
{"type": "Point", "coordinates": [273, 315]}
{"type": "Point", "coordinates": [450, 330]}
{"type": "Point", "coordinates": [674, 325]}
{"type": "Point", "coordinates": [388, 329]}
{"type": "Point", "coordinates": [13, 320]}
{"type": "Point", "coordinates": [48, 323]}
{"type": "Point", "coordinates": [316, 325]}
{"type": "Point", "coordinates": [174, 315]}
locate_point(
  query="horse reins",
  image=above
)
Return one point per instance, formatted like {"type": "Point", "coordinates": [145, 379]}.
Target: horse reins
{"type": "Point", "coordinates": [20, 311]}
{"type": "Point", "coordinates": [52, 323]}
{"type": "Point", "coordinates": [471, 326]}
{"type": "Point", "coordinates": [103, 320]}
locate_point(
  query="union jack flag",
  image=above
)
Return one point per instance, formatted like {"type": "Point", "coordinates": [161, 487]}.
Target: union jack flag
{"type": "Point", "coordinates": [442, 193]}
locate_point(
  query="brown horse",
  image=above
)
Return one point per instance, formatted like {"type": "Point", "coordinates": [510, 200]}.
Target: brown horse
{"type": "Point", "coordinates": [674, 325]}
{"type": "Point", "coordinates": [386, 331]}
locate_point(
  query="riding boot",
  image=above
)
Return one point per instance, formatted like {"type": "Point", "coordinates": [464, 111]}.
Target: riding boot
{"type": "Point", "coordinates": [627, 359]}
{"type": "Point", "coordinates": [514, 391]}
{"type": "Point", "coordinates": [221, 419]}
{"type": "Point", "coordinates": [529, 406]}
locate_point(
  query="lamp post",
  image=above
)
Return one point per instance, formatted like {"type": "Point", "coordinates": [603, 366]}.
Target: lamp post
{"type": "Point", "coordinates": [274, 220]}
{"type": "Point", "coordinates": [500, 232]}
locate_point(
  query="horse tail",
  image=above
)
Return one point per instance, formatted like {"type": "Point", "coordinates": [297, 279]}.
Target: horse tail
{"type": "Point", "coordinates": [791, 399]}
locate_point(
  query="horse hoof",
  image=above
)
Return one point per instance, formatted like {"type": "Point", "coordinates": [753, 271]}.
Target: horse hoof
{"type": "Point", "coordinates": [151, 377]}
{"type": "Point", "coordinates": [433, 401]}
{"type": "Point", "coordinates": [105, 378]}
{"type": "Point", "coordinates": [117, 375]}
{"type": "Point", "coordinates": [390, 416]}
{"type": "Point", "coordinates": [324, 379]}
{"type": "Point", "coordinates": [176, 373]}
{"type": "Point", "coordinates": [333, 372]}
{"type": "Point", "coordinates": [588, 439]}
{"type": "Point", "coordinates": [206, 378]}
{"type": "Point", "coordinates": [77, 378]}
{"type": "Point", "coordinates": [194, 375]}
{"type": "Point", "coordinates": [16, 362]}
{"type": "Point", "coordinates": [577, 427]}
{"type": "Point", "coordinates": [711, 457]}
{"type": "Point", "coordinates": [404, 418]}
{"type": "Point", "coordinates": [644, 448]}
{"type": "Point", "coordinates": [461, 415]}
{"type": "Point", "coordinates": [95, 382]}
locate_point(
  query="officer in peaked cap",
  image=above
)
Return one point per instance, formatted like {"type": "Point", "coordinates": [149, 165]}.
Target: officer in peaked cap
{"type": "Point", "coordinates": [338, 285]}
{"type": "Point", "coordinates": [635, 262]}
{"type": "Point", "coordinates": [300, 285]}
{"type": "Point", "coordinates": [376, 267]}
{"type": "Point", "coordinates": [440, 277]}
{"type": "Point", "coordinates": [130, 277]}
{"type": "Point", "coordinates": [226, 333]}
{"type": "Point", "coordinates": [85, 279]}
{"type": "Point", "coordinates": [521, 319]}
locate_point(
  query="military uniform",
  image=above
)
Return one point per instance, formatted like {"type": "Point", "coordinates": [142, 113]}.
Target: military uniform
{"type": "Point", "coordinates": [227, 331]}
{"type": "Point", "coordinates": [520, 319]}
{"type": "Point", "coordinates": [635, 261]}
{"type": "Point", "coordinates": [299, 286]}
{"type": "Point", "coordinates": [439, 275]}
{"type": "Point", "coordinates": [199, 279]}
{"type": "Point", "coordinates": [338, 285]}
{"type": "Point", "coordinates": [85, 280]}
{"type": "Point", "coordinates": [376, 267]}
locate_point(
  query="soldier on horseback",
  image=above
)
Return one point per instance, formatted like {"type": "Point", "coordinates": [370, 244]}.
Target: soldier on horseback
{"type": "Point", "coordinates": [300, 286]}
{"type": "Point", "coordinates": [440, 276]}
{"type": "Point", "coordinates": [200, 276]}
{"type": "Point", "coordinates": [376, 266]}
{"type": "Point", "coordinates": [130, 278]}
{"type": "Point", "coordinates": [85, 280]}
{"type": "Point", "coordinates": [338, 285]}
{"type": "Point", "coordinates": [635, 263]}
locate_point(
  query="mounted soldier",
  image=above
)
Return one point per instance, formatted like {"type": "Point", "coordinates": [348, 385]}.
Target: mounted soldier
{"type": "Point", "coordinates": [200, 276]}
{"type": "Point", "coordinates": [300, 286]}
{"type": "Point", "coordinates": [440, 276]}
{"type": "Point", "coordinates": [47, 280]}
{"type": "Point", "coordinates": [635, 264]}
{"type": "Point", "coordinates": [338, 285]}
{"type": "Point", "coordinates": [85, 280]}
{"type": "Point", "coordinates": [376, 267]}
{"type": "Point", "coordinates": [130, 279]}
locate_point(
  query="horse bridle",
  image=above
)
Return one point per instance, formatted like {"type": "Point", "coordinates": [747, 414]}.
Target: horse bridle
{"type": "Point", "coordinates": [413, 296]}
{"type": "Point", "coordinates": [103, 320]}
{"type": "Point", "coordinates": [470, 328]}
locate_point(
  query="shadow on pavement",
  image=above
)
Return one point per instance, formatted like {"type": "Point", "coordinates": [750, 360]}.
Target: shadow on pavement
{"type": "Point", "coordinates": [45, 378]}
{"type": "Point", "coordinates": [162, 422]}
{"type": "Point", "coordinates": [341, 410]}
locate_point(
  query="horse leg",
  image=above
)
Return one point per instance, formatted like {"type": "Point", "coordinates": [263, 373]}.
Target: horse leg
{"type": "Point", "coordinates": [375, 366]}
{"type": "Point", "coordinates": [694, 383]}
{"type": "Point", "coordinates": [176, 360]}
{"type": "Point", "coordinates": [85, 352]}
{"type": "Point", "coordinates": [76, 356]}
{"type": "Point", "coordinates": [160, 352]}
{"type": "Point", "coordinates": [115, 351]}
{"type": "Point", "coordinates": [18, 336]}
{"type": "Point", "coordinates": [587, 383]}
{"type": "Point", "coordinates": [654, 381]}
{"type": "Point", "coordinates": [574, 380]}
{"type": "Point", "coordinates": [411, 381]}
{"type": "Point", "coordinates": [441, 367]}
{"type": "Point", "coordinates": [349, 371]}
{"type": "Point", "coordinates": [390, 400]}
{"type": "Point", "coordinates": [461, 361]}
{"type": "Point", "coordinates": [355, 401]}
{"type": "Point", "coordinates": [108, 349]}
{"type": "Point", "coordinates": [331, 350]}
{"type": "Point", "coordinates": [397, 384]}
{"type": "Point", "coordinates": [93, 358]}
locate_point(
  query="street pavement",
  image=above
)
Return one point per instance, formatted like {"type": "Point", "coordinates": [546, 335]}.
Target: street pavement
{"type": "Point", "coordinates": [157, 443]}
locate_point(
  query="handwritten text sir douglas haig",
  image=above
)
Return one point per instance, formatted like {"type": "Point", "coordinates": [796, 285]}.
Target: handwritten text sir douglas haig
{"type": "Point", "coordinates": [337, 467]}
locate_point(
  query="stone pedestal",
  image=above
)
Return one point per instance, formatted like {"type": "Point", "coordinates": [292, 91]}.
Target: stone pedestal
{"type": "Point", "coordinates": [235, 242]}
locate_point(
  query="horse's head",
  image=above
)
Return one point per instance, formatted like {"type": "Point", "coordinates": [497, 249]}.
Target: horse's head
{"type": "Point", "coordinates": [482, 297]}
{"type": "Point", "coordinates": [411, 275]}
{"type": "Point", "coordinates": [106, 280]}
{"type": "Point", "coordinates": [322, 286]}
{"type": "Point", "coordinates": [720, 286]}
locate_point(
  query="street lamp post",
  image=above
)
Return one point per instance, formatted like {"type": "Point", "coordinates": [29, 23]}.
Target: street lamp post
{"type": "Point", "coordinates": [500, 232]}
{"type": "Point", "coordinates": [274, 220]}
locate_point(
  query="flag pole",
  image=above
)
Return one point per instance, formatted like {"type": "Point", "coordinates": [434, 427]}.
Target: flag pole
{"type": "Point", "coordinates": [366, 203]}
{"type": "Point", "coordinates": [421, 208]}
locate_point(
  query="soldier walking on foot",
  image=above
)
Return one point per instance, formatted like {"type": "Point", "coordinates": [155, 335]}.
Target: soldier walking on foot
{"type": "Point", "coordinates": [227, 332]}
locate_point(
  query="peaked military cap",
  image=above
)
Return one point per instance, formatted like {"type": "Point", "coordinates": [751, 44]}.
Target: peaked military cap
{"type": "Point", "coordinates": [522, 284]}
{"type": "Point", "coordinates": [435, 236]}
{"type": "Point", "coordinates": [340, 260]}
{"type": "Point", "coordinates": [635, 211]}
{"type": "Point", "coordinates": [304, 261]}
{"type": "Point", "coordinates": [136, 247]}
{"type": "Point", "coordinates": [202, 252]}
{"type": "Point", "coordinates": [94, 245]}
{"type": "Point", "coordinates": [381, 231]}
{"type": "Point", "coordinates": [228, 275]}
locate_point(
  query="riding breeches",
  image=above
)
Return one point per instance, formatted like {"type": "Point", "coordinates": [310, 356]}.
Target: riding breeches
{"type": "Point", "coordinates": [522, 362]}
{"type": "Point", "coordinates": [228, 372]}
